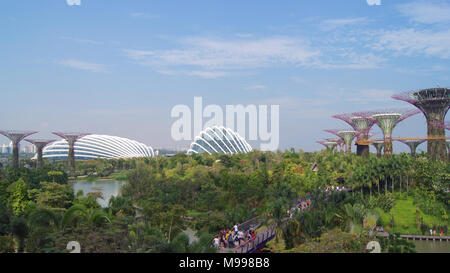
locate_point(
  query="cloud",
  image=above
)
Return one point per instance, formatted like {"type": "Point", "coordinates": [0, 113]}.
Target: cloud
{"type": "Point", "coordinates": [206, 54]}
{"type": "Point", "coordinates": [351, 60]}
{"type": "Point", "coordinates": [207, 74]}
{"type": "Point", "coordinates": [255, 87]}
{"type": "Point", "coordinates": [230, 54]}
{"type": "Point", "coordinates": [199, 73]}
{"type": "Point", "coordinates": [414, 42]}
{"type": "Point", "coordinates": [373, 2]}
{"type": "Point", "coordinates": [92, 67]}
{"type": "Point", "coordinates": [73, 2]}
{"type": "Point", "coordinates": [426, 12]}
{"type": "Point", "coordinates": [336, 23]}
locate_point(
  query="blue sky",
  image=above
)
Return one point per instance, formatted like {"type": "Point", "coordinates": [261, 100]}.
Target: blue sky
{"type": "Point", "coordinates": [118, 67]}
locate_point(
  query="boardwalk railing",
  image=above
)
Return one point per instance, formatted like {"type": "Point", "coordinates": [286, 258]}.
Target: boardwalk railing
{"type": "Point", "coordinates": [261, 239]}
{"type": "Point", "coordinates": [418, 237]}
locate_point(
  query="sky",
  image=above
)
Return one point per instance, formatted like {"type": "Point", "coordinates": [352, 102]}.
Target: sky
{"type": "Point", "coordinates": [118, 67]}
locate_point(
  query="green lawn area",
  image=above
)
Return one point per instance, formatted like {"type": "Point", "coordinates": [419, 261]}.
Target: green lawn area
{"type": "Point", "coordinates": [405, 217]}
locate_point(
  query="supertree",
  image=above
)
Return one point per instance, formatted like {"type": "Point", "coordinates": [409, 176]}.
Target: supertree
{"type": "Point", "coordinates": [379, 145]}
{"type": "Point", "coordinates": [330, 145]}
{"type": "Point", "coordinates": [337, 142]}
{"type": "Point", "coordinates": [71, 138]}
{"type": "Point", "coordinates": [16, 137]}
{"type": "Point", "coordinates": [434, 104]}
{"type": "Point", "coordinates": [359, 124]}
{"type": "Point", "coordinates": [346, 135]}
{"type": "Point", "coordinates": [387, 120]}
{"type": "Point", "coordinates": [39, 144]}
{"type": "Point", "coordinates": [412, 144]}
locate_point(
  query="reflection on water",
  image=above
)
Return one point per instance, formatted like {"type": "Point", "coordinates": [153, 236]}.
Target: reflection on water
{"type": "Point", "coordinates": [107, 188]}
{"type": "Point", "coordinates": [432, 246]}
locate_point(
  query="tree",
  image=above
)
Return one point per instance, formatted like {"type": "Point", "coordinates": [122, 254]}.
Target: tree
{"type": "Point", "coordinates": [18, 197]}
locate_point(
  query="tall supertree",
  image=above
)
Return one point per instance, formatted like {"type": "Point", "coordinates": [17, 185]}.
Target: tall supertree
{"type": "Point", "coordinates": [16, 137]}
{"type": "Point", "coordinates": [412, 144]}
{"type": "Point", "coordinates": [359, 124]}
{"type": "Point", "coordinates": [387, 120]}
{"type": "Point", "coordinates": [39, 144]}
{"type": "Point", "coordinates": [71, 138]}
{"type": "Point", "coordinates": [379, 145]}
{"type": "Point", "coordinates": [346, 135]}
{"type": "Point", "coordinates": [434, 104]}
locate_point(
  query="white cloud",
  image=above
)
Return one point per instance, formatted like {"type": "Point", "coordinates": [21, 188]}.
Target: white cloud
{"type": "Point", "coordinates": [225, 55]}
{"type": "Point", "coordinates": [198, 73]}
{"type": "Point", "coordinates": [73, 2]}
{"type": "Point", "coordinates": [351, 60]}
{"type": "Point", "coordinates": [426, 12]}
{"type": "Point", "coordinates": [336, 23]}
{"type": "Point", "coordinates": [373, 2]}
{"type": "Point", "coordinates": [93, 67]}
{"type": "Point", "coordinates": [207, 74]}
{"type": "Point", "coordinates": [413, 42]}
{"type": "Point", "coordinates": [255, 87]}
{"type": "Point", "coordinates": [229, 54]}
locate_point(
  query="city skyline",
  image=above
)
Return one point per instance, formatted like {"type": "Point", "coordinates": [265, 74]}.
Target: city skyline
{"type": "Point", "coordinates": [118, 68]}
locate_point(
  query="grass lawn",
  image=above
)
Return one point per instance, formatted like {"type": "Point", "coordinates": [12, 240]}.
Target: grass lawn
{"type": "Point", "coordinates": [405, 217]}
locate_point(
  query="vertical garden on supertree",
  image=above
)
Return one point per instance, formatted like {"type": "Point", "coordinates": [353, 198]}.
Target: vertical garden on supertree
{"type": "Point", "coordinates": [434, 104]}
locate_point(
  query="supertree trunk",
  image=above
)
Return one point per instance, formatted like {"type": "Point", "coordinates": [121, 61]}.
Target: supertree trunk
{"type": "Point", "coordinates": [15, 162]}
{"type": "Point", "coordinates": [436, 148]}
{"type": "Point", "coordinates": [40, 162]}
{"type": "Point", "coordinates": [71, 157]}
{"type": "Point", "coordinates": [388, 146]}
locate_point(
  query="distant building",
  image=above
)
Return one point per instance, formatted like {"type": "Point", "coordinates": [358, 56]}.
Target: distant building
{"type": "Point", "coordinates": [219, 140]}
{"type": "Point", "coordinates": [99, 146]}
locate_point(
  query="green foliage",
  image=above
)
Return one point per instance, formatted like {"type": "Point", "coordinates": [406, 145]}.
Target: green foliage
{"type": "Point", "coordinates": [18, 197]}
{"type": "Point", "coordinates": [6, 244]}
{"type": "Point", "coordinates": [386, 202]}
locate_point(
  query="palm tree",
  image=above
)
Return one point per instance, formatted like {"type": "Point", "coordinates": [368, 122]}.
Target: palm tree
{"type": "Point", "coordinates": [79, 213]}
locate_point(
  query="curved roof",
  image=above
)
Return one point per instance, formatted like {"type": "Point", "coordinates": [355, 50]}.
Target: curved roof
{"type": "Point", "coordinates": [219, 139]}
{"type": "Point", "coordinates": [99, 146]}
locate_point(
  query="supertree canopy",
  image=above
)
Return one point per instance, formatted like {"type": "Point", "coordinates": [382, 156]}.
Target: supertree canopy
{"type": "Point", "coordinates": [434, 104]}
{"type": "Point", "coordinates": [346, 135]}
{"type": "Point", "coordinates": [39, 144]}
{"type": "Point", "coordinates": [359, 124]}
{"type": "Point", "coordinates": [412, 144]}
{"type": "Point", "coordinates": [387, 120]}
{"type": "Point", "coordinates": [16, 137]}
{"type": "Point", "coordinates": [379, 145]}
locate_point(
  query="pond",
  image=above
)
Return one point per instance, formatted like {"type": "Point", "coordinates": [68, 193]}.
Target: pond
{"type": "Point", "coordinates": [432, 246]}
{"type": "Point", "coordinates": [108, 188]}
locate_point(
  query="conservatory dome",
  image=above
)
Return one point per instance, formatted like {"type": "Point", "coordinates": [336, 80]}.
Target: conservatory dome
{"type": "Point", "coordinates": [219, 140]}
{"type": "Point", "coordinates": [99, 146]}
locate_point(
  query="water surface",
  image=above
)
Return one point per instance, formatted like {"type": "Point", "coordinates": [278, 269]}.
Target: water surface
{"type": "Point", "coordinates": [108, 188]}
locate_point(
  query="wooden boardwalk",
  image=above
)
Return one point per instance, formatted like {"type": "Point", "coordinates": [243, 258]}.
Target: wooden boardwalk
{"type": "Point", "coordinates": [262, 237]}
{"type": "Point", "coordinates": [418, 237]}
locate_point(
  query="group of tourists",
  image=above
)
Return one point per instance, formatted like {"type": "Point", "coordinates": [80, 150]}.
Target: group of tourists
{"type": "Point", "coordinates": [335, 188]}
{"type": "Point", "coordinates": [433, 232]}
{"type": "Point", "coordinates": [231, 238]}
{"type": "Point", "coordinates": [301, 205]}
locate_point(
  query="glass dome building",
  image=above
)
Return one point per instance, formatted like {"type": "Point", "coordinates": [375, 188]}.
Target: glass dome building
{"type": "Point", "coordinates": [98, 146]}
{"type": "Point", "coordinates": [219, 140]}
